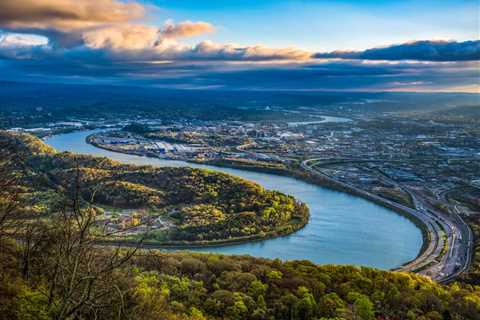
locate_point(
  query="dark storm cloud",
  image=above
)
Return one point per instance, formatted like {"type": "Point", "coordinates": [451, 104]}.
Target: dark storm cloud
{"type": "Point", "coordinates": [87, 66]}
{"type": "Point", "coordinates": [342, 76]}
{"type": "Point", "coordinates": [418, 50]}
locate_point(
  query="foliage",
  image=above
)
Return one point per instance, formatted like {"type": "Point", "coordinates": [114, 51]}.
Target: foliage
{"type": "Point", "coordinates": [136, 128]}
{"type": "Point", "coordinates": [208, 206]}
{"type": "Point", "coordinates": [58, 271]}
{"type": "Point", "coordinates": [159, 285]}
{"type": "Point", "coordinates": [473, 274]}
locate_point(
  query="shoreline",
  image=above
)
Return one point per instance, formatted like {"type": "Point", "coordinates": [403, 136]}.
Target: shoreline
{"type": "Point", "coordinates": [304, 176]}
{"type": "Point", "coordinates": [185, 245]}
{"type": "Point", "coordinates": [336, 186]}
{"type": "Point", "coordinates": [213, 243]}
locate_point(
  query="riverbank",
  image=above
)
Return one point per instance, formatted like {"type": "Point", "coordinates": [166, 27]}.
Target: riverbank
{"type": "Point", "coordinates": [204, 244]}
{"type": "Point", "coordinates": [306, 176]}
{"type": "Point", "coordinates": [343, 229]}
{"type": "Point", "coordinates": [324, 181]}
{"type": "Point", "coordinates": [282, 231]}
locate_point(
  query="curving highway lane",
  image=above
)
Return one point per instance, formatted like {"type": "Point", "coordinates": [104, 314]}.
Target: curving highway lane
{"type": "Point", "coordinates": [441, 230]}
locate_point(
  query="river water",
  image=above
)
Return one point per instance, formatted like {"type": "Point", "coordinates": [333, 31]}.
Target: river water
{"type": "Point", "coordinates": [343, 229]}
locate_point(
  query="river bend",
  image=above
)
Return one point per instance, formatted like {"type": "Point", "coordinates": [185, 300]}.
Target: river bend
{"type": "Point", "coordinates": [343, 229]}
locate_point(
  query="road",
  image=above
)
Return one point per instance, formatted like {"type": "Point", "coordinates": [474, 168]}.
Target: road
{"type": "Point", "coordinates": [450, 240]}
{"type": "Point", "coordinates": [458, 252]}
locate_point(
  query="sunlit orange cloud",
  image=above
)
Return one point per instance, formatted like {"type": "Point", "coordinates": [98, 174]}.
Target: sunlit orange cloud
{"type": "Point", "coordinates": [97, 23]}
{"type": "Point", "coordinates": [186, 29]}
{"type": "Point", "coordinates": [118, 28]}
{"type": "Point", "coordinates": [132, 37]}
{"type": "Point", "coordinates": [66, 15]}
{"type": "Point", "coordinates": [170, 49]}
{"type": "Point", "coordinates": [115, 26]}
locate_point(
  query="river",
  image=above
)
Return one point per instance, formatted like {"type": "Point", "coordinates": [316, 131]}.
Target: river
{"type": "Point", "coordinates": [343, 229]}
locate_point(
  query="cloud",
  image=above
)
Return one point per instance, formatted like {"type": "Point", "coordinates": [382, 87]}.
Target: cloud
{"type": "Point", "coordinates": [417, 50]}
{"type": "Point", "coordinates": [21, 40]}
{"type": "Point", "coordinates": [132, 43]}
{"type": "Point", "coordinates": [186, 29]}
{"type": "Point", "coordinates": [66, 15]}
{"type": "Point", "coordinates": [108, 41]}
{"type": "Point", "coordinates": [95, 66]}
{"type": "Point", "coordinates": [113, 26]}
{"type": "Point", "coordinates": [64, 22]}
{"type": "Point", "coordinates": [21, 46]}
{"type": "Point", "coordinates": [121, 37]}
{"type": "Point", "coordinates": [336, 76]}
{"type": "Point", "coordinates": [145, 38]}
{"type": "Point", "coordinates": [97, 24]}
{"type": "Point", "coordinates": [208, 50]}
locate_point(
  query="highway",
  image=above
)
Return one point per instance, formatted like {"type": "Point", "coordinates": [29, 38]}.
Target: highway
{"type": "Point", "coordinates": [444, 265]}
{"type": "Point", "coordinates": [450, 240]}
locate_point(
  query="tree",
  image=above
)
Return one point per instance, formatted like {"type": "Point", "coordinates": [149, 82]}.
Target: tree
{"type": "Point", "coordinates": [306, 307]}
{"type": "Point", "coordinates": [363, 308]}
{"type": "Point", "coordinates": [149, 296]}
{"type": "Point", "coordinates": [80, 280]}
{"type": "Point", "coordinates": [329, 305]}
{"type": "Point", "coordinates": [11, 169]}
{"type": "Point", "coordinates": [136, 128]}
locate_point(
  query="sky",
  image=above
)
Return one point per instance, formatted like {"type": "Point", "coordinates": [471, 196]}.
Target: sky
{"type": "Point", "coordinates": [339, 45]}
{"type": "Point", "coordinates": [329, 25]}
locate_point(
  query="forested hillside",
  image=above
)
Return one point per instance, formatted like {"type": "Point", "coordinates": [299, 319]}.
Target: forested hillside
{"type": "Point", "coordinates": [51, 266]}
{"type": "Point", "coordinates": [202, 205]}
{"type": "Point", "coordinates": [60, 275]}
